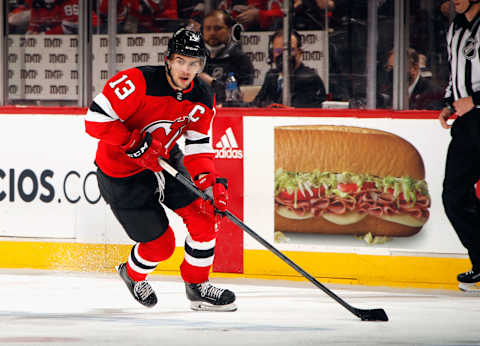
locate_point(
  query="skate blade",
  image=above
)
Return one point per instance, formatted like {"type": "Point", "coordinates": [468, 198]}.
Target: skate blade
{"type": "Point", "coordinates": [202, 306]}
{"type": "Point", "coordinates": [470, 288]}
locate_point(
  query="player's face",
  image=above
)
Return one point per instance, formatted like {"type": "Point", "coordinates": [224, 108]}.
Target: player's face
{"type": "Point", "coordinates": [215, 31]}
{"type": "Point", "coordinates": [183, 69]}
{"type": "Point", "coordinates": [461, 5]}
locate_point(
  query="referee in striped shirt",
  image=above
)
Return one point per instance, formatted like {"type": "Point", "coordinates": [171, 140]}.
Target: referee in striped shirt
{"type": "Point", "coordinates": [462, 97]}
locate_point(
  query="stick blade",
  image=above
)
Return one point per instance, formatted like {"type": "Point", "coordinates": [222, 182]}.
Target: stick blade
{"type": "Point", "coordinates": [372, 315]}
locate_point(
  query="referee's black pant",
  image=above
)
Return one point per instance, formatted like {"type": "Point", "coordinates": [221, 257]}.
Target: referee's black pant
{"type": "Point", "coordinates": [461, 173]}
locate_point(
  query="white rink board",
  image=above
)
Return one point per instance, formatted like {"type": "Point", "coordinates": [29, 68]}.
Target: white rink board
{"type": "Point", "coordinates": [66, 203]}
{"type": "Point", "coordinates": [57, 147]}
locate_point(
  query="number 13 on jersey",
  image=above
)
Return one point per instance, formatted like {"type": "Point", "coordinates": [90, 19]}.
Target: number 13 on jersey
{"type": "Point", "coordinates": [124, 91]}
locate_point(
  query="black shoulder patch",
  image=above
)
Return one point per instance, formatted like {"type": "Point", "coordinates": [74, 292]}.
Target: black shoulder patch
{"type": "Point", "coordinates": [155, 80]}
{"type": "Point", "coordinates": [201, 92]}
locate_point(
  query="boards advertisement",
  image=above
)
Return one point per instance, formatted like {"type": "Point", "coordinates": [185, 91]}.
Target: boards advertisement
{"type": "Point", "coordinates": [412, 146]}
{"type": "Point", "coordinates": [49, 193]}
{"type": "Point", "coordinates": [46, 67]}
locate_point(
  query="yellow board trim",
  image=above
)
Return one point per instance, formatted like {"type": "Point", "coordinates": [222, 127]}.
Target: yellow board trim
{"type": "Point", "coordinates": [345, 268]}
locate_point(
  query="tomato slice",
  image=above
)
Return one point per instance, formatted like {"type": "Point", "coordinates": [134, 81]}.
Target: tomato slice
{"type": "Point", "coordinates": [348, 188]}
{"type": "Point", "coordinates": [369, 185]}
{"type": "Point", "coordinates": [285, 195]}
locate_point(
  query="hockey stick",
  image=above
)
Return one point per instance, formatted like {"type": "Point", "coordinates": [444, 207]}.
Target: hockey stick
{"type": "Point", "coordinates": [363, 314]}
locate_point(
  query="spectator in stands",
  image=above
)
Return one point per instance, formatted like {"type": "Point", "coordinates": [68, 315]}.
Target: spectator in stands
{"type": "Point", "coordinates": [254, 15]}
{"type": "Point", "coordinates": [125, 24]}
{"type": "Point", "coordinates": [226, 53]}
{"type": "Point", "coordinates": [268, 15]}
{"type": "Point", "coordinates": [18, 17]}
{"type": "Point", "coordinates": [446, 8]}
{"type": "Point", "coordinates": [51, 17]}
{"type": "Point", "coordinates": [349, 22]}
{"type": "Point", "coordinates": [144, 16]}
{"type": "Point", "coordinates": [443, 13]}
{"type": "Point", "coordinates": [156, 16]}
{"type": "Point", "coordinates": [422, 92]}
{"type": "Point", "coordinates": [192, 12]}
{"type": "Point", "coordinates": [306, 86]}
{"type": "Point", "coordinates": [310, 14]}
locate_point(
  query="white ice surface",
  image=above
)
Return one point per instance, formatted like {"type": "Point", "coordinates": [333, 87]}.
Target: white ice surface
{"type": "Point", "coordinates": [58, 308]}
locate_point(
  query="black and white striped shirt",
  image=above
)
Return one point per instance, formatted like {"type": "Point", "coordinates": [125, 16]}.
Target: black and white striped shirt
{"type": "Point", "coordinates": [463, 43]}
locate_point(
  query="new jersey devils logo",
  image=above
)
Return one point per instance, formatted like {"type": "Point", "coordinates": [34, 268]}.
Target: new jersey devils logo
{"type": "Point", "coordinates": [172, 130]}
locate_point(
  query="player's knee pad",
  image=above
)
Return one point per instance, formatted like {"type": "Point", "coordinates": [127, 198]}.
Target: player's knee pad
{"type": "Point", "coordinates": [159, 249]}
{"type": "Point", "coordinates": [200, 225]}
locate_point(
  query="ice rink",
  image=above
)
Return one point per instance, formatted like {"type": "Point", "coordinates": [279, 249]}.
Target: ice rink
{"type": "Point", "coordinates": [59, 308]}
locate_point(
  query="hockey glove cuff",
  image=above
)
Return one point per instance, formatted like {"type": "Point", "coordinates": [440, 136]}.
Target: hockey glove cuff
{"type": "Point", "coordinates": [145, 149]}
{"type": "Point", "coordinates": [218, 187]}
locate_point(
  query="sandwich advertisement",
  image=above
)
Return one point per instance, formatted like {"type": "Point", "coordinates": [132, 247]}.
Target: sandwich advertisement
{"type": "Point", "coordinates": [344, 187]}
{"type": "Point", "coordinates": [345, 184]}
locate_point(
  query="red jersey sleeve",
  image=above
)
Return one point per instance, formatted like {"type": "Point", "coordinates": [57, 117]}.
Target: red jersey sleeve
{"type": "Point", "coordinates": [121, 97]}
{"type": "Point", "coordinates": [266, 17]}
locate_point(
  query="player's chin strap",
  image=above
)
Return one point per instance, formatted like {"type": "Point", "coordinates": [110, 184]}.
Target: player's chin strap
{"type": "Point", "coordinates": [363, 314]}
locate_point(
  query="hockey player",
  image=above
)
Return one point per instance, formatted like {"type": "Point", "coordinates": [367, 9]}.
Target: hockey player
{"type": "Point", "coordinates": [138, 117]}
{"type": "Point", "coordinates": [462, 171]}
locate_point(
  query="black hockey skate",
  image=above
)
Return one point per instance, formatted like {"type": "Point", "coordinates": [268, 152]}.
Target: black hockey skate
{"type": "Point", "coordinates": [206, 297]}
{"type": "Point", "coordinates": [140, 290]}
{"type": "Point", "coordinates": [469, 280]}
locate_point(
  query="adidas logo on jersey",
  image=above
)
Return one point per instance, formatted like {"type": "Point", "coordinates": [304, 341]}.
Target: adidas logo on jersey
{"type": "Point", "coordinates": [227, 147]}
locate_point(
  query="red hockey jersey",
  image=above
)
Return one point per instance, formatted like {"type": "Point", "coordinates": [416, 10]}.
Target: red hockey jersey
{"type": "Point", "coordinates": [141, 98]}
{"type": "Point", "coordinates": [60, 18]}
